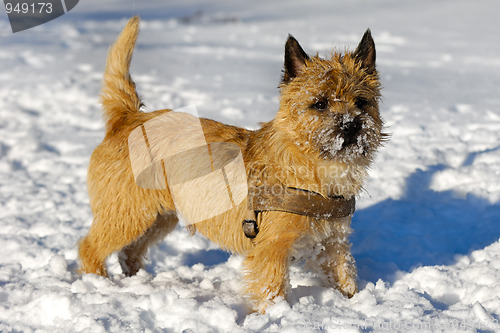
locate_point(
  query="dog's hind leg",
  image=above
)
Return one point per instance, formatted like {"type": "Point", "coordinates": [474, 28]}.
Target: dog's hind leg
{"type": "Point", "coordinates": [93, 253]}
{"type": "Point", "coordinates": [114, 227]}
{"type": "Point", "coordinates": [131, 256]}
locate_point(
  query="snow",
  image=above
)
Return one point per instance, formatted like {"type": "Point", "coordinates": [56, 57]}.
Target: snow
{"type": "Point", "coordinates": [426, 236]}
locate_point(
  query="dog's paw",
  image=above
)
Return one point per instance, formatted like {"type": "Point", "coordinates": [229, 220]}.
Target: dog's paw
{"type": "Point", "coordinates": [348, 286]}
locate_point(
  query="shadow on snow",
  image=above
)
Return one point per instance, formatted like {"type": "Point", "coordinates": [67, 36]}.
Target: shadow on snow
{"type": "Point", "coordinates": [422, 228]}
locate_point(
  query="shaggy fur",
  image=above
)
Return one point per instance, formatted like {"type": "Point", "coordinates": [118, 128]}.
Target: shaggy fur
{"type": "Point", "coordinates": [322, 139]}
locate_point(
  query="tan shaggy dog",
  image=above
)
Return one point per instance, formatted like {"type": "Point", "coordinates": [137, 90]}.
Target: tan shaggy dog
{"type": "Point", "coordinates": [321, 142]}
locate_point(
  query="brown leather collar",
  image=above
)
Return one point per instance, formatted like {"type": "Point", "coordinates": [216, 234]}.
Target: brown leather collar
{"type": "Point", "coordinates": [298, 201]}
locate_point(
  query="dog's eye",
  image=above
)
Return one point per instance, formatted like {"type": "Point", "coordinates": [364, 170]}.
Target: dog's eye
{"type": "Point", "coordinates": [320, 105]}
{"type": "Point", "coordinates": [361, 102]}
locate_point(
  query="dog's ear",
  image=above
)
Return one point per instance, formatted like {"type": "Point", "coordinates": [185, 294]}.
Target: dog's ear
{"type": "Point", "coordinates": [365, 52]}
{"type": "Point", "coordinates": [295, 59]}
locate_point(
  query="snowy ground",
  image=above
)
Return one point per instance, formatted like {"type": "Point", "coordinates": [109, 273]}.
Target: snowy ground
{"type": "Point", "coordinates": [427, 228]}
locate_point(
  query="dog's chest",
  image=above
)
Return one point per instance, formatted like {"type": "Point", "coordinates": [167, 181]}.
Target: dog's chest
{"type": "Point", "coordinates": [338, 179]}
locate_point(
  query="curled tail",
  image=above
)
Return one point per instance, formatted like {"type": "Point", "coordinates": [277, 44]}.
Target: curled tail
{"type": "Point", "coordinates": [119, 96]}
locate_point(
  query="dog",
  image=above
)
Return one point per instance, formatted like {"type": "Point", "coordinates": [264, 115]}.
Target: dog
{"type": "Point", "coordinates": [302, 171]}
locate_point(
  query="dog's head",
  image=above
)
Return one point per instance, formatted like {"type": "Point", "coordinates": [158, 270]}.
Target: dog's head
{"type": "Point", "coordinates": [330, 106]}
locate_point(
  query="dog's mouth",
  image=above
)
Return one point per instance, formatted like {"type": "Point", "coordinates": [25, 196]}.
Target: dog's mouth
{"type": "Point", "coordinates": [349, 138]}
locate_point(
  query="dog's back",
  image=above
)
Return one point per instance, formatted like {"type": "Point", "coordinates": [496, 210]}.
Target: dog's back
{"type": "Point", "coordinates": [127, 217]}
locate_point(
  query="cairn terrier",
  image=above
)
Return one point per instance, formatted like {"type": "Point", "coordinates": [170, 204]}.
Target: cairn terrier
{"type": "Point", "coordinates": [301, 172]}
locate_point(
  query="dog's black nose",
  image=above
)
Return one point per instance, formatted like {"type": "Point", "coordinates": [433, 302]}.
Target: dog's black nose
{"type": "Point", "coordinates": [351, 128]}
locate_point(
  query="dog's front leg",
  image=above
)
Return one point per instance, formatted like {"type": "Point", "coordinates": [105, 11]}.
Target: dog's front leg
{"type": "Point", "coordinates": [267, 264]}
{"type": "Point", "coordinates": [334, 262]}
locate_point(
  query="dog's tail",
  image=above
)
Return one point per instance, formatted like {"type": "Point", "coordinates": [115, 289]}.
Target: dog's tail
{"type": "Point", "coordinates": [119, 96]}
